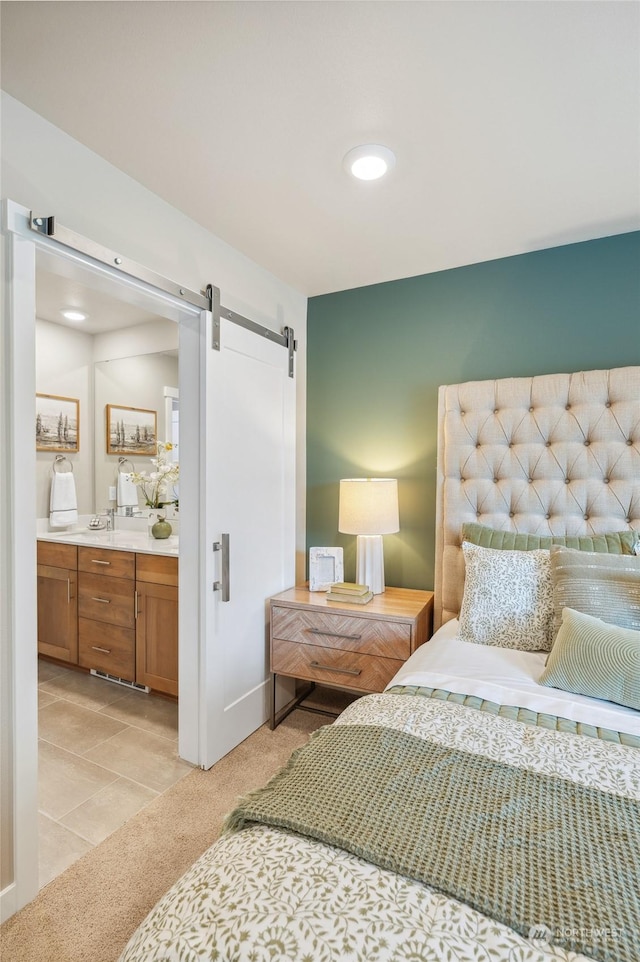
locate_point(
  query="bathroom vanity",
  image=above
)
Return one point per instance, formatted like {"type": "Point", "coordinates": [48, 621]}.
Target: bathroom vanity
{"type": "Point", "coordinates": [109, 601]}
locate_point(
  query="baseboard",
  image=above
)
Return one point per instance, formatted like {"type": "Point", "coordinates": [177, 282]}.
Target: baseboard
{"type": "Point", "coordinates": [8, 904]}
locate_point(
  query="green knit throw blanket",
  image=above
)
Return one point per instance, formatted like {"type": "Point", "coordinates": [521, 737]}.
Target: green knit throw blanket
{"type": "Point", "coordinates": [524, 848]}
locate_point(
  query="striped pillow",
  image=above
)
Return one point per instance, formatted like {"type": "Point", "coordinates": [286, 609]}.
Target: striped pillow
{"type": "Point", "coordinates": [603, 586]}
{"type": "Point", "coordinates": [591, 657]}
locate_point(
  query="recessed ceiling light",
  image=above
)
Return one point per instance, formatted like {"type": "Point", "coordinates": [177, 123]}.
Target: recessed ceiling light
{"type": "Point", "coordinates": [74, 315]}
{"type": "Point", "coordinates": [369, 161]}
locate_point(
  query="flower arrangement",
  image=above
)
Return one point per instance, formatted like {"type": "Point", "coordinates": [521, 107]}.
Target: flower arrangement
{"type": "Point", "coordinates": [155, 484]}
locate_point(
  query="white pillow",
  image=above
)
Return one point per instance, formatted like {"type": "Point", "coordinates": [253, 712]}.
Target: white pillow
{"type": "Point", "coordinates": [507, 600]}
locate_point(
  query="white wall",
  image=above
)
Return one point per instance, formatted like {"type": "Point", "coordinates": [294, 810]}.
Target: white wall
{"type": "Point", "coordinates": [47, 171]}
{"type": "Point", "coordinates": [64, 366]}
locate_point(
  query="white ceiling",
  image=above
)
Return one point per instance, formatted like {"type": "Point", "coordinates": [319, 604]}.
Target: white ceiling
{"type": "Point", "coordinates": [58, 292]}
{"type": "Point", "coordinates": [516, 125]}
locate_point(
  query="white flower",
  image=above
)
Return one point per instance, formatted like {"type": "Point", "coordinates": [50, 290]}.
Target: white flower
{"type": "Point", "coordinates": [155, 486]}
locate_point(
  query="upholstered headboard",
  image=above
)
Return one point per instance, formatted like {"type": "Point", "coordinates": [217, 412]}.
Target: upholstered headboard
{"type": "Point", "coordinates": [555, 454]}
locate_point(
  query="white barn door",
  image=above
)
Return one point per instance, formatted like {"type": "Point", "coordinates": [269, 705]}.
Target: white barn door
{"type": "Point", "coordinates": [248, 495]}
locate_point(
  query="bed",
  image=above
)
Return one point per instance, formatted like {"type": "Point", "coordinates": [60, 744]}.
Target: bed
{"type": "Point", "coordinates": [477, 809]}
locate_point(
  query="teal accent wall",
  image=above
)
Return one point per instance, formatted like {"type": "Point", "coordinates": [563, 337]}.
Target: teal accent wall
{"type": "Point", "coordinates": [376, 356]}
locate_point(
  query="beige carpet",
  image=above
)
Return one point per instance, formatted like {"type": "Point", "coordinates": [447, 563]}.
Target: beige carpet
{"type": "Point", "coordinates": [89, 912]}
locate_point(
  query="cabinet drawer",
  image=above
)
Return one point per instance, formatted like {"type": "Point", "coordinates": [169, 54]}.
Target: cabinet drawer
{"type": "Point", "coordinates": [348, 669]}
{"type": "Point", "coordinates": [107, 647]}
{"type": "Point", "coordinates": [106, 599]}
{"type": "Point", "coordinates": [157, 569]}
{"type": "Point", "coordinates": [104, 561]}
{"type": "Point", "coordinates": [57, 555]}
{"type": "Point", "coordinates": [389, 639]}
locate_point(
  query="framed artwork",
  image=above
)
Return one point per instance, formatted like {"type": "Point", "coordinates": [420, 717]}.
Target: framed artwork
{"type": "Point", "coordinates": [131, 431]}
{"type": "Point", "coordinates": [325, 568]}
{"type": "Point", "coordinates": [57, 423]}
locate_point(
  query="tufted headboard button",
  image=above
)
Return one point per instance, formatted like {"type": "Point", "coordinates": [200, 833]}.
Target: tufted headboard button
{"type": "Point", "coordinates": [586, 517]}
{"type": "Point", "coordinates": [547, 444]}
{"type": "Point", "coordinates": [629, 441]}
{"type": "Point", "coordinates": [587, 443]}
{"type": "Point", "coordinates": [608, 404]}
{"type": "Point", "coordinates": [567, 481]}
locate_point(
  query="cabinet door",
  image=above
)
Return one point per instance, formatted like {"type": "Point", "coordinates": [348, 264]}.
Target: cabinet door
{"type": "Point", "coordinates": [58, 613]}
{"type": "Point", "coordinates": [157, 637]}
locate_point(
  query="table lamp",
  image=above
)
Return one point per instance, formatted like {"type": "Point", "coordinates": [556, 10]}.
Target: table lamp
{"type": "Point", "coordinates": [369, 509]}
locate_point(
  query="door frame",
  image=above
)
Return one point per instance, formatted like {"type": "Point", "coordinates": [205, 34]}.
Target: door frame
{"type": "Point", "coordinates": [18, 558]}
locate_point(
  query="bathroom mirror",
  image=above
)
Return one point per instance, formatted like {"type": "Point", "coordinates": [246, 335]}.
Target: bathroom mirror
{"type": "Point", "coordinates": [145, 381]}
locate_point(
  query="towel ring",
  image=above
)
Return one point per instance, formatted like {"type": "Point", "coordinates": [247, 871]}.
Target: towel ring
{"type": "Point", "coordinates": [122, 461]}
{"type": "Point", "coordinates": [59, 458]}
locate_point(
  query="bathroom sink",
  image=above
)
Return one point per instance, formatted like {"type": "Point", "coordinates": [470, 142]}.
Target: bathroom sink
{"type": "Point", "coordinates": [126, 540]}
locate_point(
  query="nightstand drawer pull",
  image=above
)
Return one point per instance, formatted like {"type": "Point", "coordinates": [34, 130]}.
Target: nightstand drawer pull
{"type": "Point", "coordinates": [342, 671]}
{"type": "Point", "coordinates": [103, 601]}
{"type": "Point", "coordinates": [332, 634]}
{"type": "Point", "coordinates": [105, 651]}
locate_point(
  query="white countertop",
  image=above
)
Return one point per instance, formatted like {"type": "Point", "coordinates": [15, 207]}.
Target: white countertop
{"type": "Point", "coordinates": [139, 541]}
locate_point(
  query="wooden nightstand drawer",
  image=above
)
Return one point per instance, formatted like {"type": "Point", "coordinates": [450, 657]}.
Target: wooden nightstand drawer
{"type": "Point", "coordinates": [388, 639]}
{"type": "Point", "coordinates": [348, 669]}
{"type": "Point", "coordinates": [107, 647]}
{"type": "Point", "coordinates": [104, 561]}
{"type": "Point", "coordinates": [355, 647]}
{"type": "Point", "coordinates": [106, 599]}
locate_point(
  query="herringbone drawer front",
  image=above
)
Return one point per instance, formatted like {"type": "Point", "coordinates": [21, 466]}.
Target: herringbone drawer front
{"type": "Point", "coordinates": [347, 668]}
{"type": "Point", "coordinates": [388, 639]}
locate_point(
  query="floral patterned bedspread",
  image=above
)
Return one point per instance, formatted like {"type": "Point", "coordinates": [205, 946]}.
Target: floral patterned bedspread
{"type": "Point", "coordinates": [265, 895]}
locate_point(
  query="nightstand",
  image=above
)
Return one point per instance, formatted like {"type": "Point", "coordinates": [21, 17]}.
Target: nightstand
{"type": "Point", "coordinates": [358, 648]}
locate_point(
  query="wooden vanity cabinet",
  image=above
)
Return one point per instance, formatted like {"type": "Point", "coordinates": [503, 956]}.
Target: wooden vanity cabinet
{"type": "Point", "coordinates": [157, 622]}
{"type": "Point", "coordinates": [58, 601]}
{"type": "Point", "coordinates": [106, 611]}
{"type": "Point", "coordinates": [115, 611]}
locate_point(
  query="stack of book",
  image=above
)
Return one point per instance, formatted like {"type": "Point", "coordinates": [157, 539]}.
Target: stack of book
{"type": "Point", "coordinates": [352, 594]}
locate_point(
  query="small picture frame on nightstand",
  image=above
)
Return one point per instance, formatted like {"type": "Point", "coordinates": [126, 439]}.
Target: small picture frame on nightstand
{"type": "Point", "coordinates": [325, 568]}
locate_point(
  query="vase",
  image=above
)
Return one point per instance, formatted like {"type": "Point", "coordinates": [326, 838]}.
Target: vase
{"type": "Point", "coordinates": [161, 528]}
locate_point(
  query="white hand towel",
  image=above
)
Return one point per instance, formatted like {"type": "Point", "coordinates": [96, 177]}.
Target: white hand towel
{"type": "Point", "coordinates": [63, 505]}
{"type": "Point", "coordinates": [126, 491]}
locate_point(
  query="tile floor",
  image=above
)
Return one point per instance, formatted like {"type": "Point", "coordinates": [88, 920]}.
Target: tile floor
{"type": "Point", "coordinates": [105, 752]}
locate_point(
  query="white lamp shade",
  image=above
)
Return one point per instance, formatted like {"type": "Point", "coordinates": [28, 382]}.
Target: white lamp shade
{"type": "Point", "coordinates": [368, 506]}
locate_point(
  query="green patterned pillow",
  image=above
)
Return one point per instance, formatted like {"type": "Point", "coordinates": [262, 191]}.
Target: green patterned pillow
{"type": "Point", "coordinates": [591, 657]}
{"type": "Point", "coordinates": [616, 542]}
{"type": "Point", "coordinates": [507, 598]}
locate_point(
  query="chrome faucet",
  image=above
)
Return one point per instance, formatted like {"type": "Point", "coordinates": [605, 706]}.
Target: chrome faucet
{"type": "Point", "coordinates": [110, 513]}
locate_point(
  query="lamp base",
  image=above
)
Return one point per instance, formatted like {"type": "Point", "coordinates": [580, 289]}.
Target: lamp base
{"type": "Point", "coordinates": [370, 562]}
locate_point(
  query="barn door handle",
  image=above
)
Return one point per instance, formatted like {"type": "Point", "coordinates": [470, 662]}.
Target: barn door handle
{"type": "Point", "coordinates": [223, 586]}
